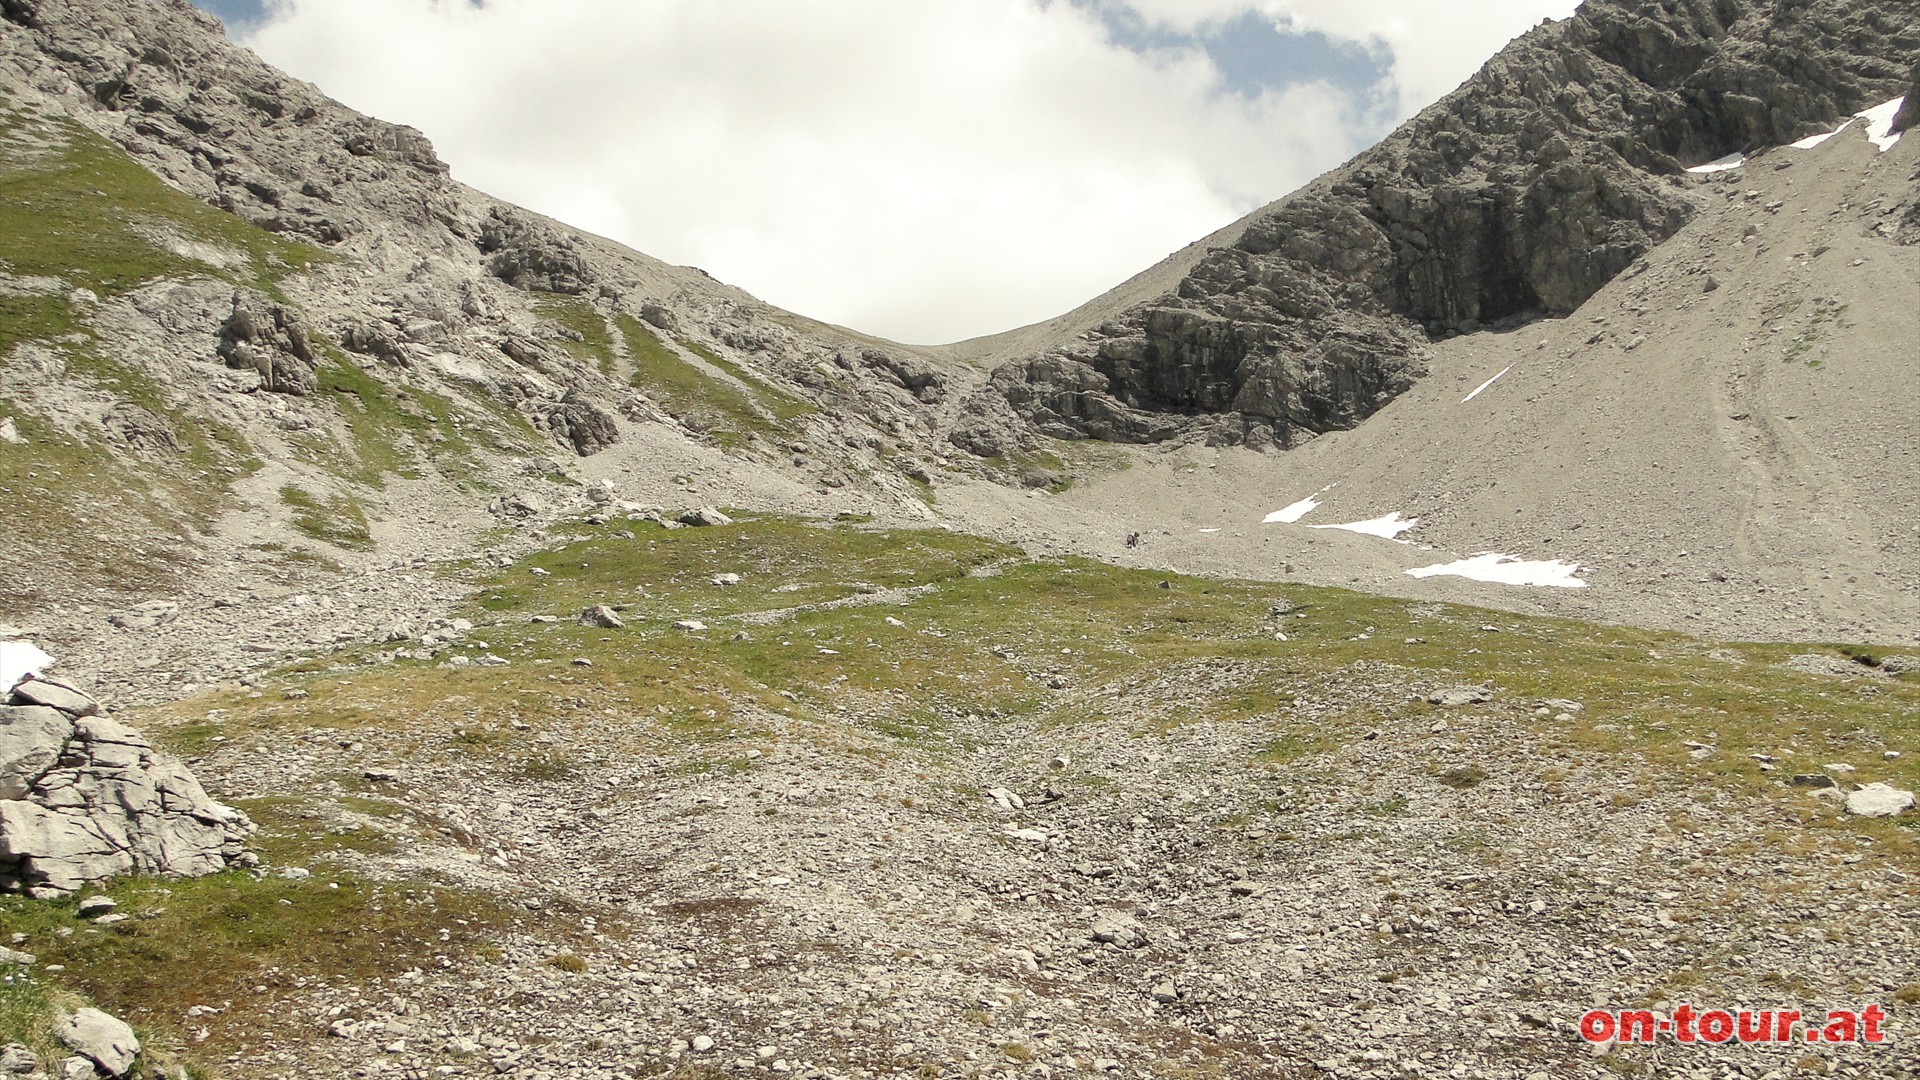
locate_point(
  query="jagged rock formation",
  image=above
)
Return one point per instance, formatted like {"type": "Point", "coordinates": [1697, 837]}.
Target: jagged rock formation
{"type": "Point", "coordinates": [1521, 194]}
{"type": "Point", "coordinates": [528, 255]}
{"type": "Point", "coordinates": [269, 339]}
{"type": "Point", "coordinates": [578, 422]}
{"type": "Point", "coordinates": [1909, 114]}
{"type": "Point", "coordinates": [83, 798]}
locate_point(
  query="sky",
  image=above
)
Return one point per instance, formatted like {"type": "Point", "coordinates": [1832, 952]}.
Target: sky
{"type": "Point", "coordinates": [928, 171]}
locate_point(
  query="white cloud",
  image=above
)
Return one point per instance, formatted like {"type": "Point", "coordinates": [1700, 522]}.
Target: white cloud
{"type": "Point", "coordinates": [1436, 45]}
{"type": "Point", "coordinates": [923, 171]}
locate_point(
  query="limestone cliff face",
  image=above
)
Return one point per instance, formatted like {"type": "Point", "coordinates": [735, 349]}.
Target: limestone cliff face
{"type": "Point", "coordinates": [1548, 173]}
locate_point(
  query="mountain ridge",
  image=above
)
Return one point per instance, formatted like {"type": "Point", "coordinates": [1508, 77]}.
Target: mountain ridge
{"type": "Point", "coordinates": [1544, 176]}
{"type": "Point", "coordinates": [625, 678]}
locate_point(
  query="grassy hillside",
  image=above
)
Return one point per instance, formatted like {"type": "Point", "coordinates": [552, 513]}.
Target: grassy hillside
{"type": "Point", "coordinates": [920, 656]}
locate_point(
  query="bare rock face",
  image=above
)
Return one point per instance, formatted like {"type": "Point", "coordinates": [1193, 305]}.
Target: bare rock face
{"type": "Point", "coordinates": [268, 338]}
{"type": "Point", "coordinates": [987, 425]}
{"type": "Point", "coordinates": [926, 383]}
{"type": "Point", "coordinates": [1521, 194]}
{"type": "Point", "coordinates": [529, 255]}
{"type": "Point", "coordinates": [83, 798]}
{"type": "Point", "coordinates": [581, 424]}
{"type": "Point", "coordinates": [1909, 114]}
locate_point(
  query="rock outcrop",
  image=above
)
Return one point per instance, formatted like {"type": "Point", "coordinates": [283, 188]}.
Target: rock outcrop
{"type": "Point", "coordinates": [83, 798]}
{"type": "Point", "coordinates": [1909, 114]}
{"type": "Point", "coordinates": [1548, 173]}
{"type": "Point", "coordinates": [527, 254]}
{"type": "Point", "coordinates": [269, 339]}
{"type": "Point", "coordinates": [576, 421]}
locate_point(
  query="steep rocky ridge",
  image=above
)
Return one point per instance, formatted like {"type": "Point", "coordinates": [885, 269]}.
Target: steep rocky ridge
{"type": "Point", "coordinates": [354, 330]}
{"type": "Point", "coordinates": [1723, 437]}
{"type": "Point", "coordinates": [1517, 196]}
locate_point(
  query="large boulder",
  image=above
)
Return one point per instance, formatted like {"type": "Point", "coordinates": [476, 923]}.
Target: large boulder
{"type": "Point", "coordinates": [105, 1040]}
{"type": "Point", "coordinates": [1879, 800]}
{"type": "Point", "coordinates": [84, 797]}
{"type": "Point", "coordinates": [529, 254]}
{"type": "Point", "coordinates": [1909, 114]}
{"type": "Point", "coordinates": [31, 740]}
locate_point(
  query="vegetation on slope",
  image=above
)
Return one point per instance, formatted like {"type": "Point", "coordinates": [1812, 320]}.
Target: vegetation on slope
{"type": "Point", "coordinates": [77, 214]}
{"type": "Point", "coordinates": [899, 649]}
{"type": "Point", "coordinates": [723, 411]}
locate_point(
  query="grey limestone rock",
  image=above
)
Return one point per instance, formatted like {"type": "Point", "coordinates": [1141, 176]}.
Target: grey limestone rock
{"type": "Point", "coordinates": [526, 253]}
{"type": "Point", "coordinates": [145, 616]}
{"type": "Point", "coordinates": [31, 738]}
{"type": "Point", "coordinates": [1879, 800]}
{"type": "Point", "coordinates": [56, 695]}
{"type": "Point", "coordinates": [269, 338]}
{"type": "Point", "coordinates": [703, 516]}
{"type": "Point", "coordinates": [576, 421]}
{"type": "Point", "coordinates": [1455, 696]}
{"type": "Point", "coordinates": [17, 1058]}
{"type": "Point", "coordinates": [922, 379]}
{"type": "Point", "coordinates": [661, 317]}
{"type": "Point", "coordinates": [83, 797]}
{"type": "Point", "coordinates": [105, 1040]}
{"type": "Point", "coordinates": [602, 617]}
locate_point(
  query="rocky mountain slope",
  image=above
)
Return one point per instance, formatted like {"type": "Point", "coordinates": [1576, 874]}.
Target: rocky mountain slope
{"type": "Point", "coordinates": [1723, 437]}
{"type": "Point", "coordinates": [311, 323]}
{"type": "Point", "coordinates": [389, 510]}
{"type": "Point", "coordinates": [1516, 197]}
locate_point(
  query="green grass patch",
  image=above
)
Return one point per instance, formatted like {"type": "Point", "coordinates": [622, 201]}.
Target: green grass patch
{"type": "Point", "coordinates": [1803, 346]}
{"type": "Point", "coordinates": [784, 406]}
{"type": "Point", "coordinates": [585, 335]}
{"type": "Point", "coordinates": [1052, 644]}
{"type": "Point", "coordinates": [340, 521]}
{"type": "Point", "coordinates": [728, 414]}
{"type": "Point", "coordinates": [393, 428]}
{"type": "Point", "coordinates": [295, 832]}
{"type": "Point", "coordinates": [1286, 749]}
{"type": "Point", "coordinates": [1041, 469]}
{"type": "Point", "coordinates": [1462, 777]}
{"type": "Point", "coordinates": [76, 209]}
{"type": "Point", "coordinates": [237, 945]}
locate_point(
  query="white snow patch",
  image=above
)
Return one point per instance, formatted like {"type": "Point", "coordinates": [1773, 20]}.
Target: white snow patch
{"type": "Point", "coordinates": [1812, 141]}
{"type": "Point", "coordinates": [1484, 385]}
{"type": "Point", "coordinates": [1720, 165]}
{"type": "Point", "coordinates": [1388, 527]}
{"type": "Point", "coordinates": [1209, 530]}
{"type": "Point", "coordinates": [1507, 570]}
{"type": "Point", "coordinates": [18, 659]}
{"type": "Point", "coordinates": [1879, 127]}
{"type": "Point", "coordinates": [1293, 512]}
{"type": "Point", "coordinates": [1880, 123]}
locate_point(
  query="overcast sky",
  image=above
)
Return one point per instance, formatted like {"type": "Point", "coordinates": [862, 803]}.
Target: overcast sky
{"type": "Point", "coordinates": [928, 170]}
